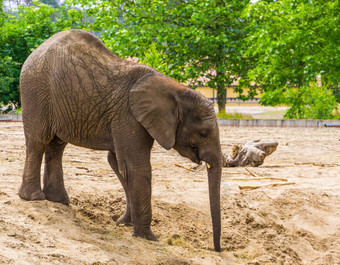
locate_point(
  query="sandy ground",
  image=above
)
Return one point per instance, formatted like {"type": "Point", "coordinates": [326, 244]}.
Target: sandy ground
{"type": "Point", "coordinates": [297, 223]}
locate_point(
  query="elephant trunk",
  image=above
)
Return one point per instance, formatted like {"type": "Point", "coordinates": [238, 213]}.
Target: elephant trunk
{"type": "Point", "coordinates": [214, 168]}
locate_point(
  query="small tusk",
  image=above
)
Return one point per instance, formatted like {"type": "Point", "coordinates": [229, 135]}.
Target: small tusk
{"type": "Point", "coordinates": [208, 166]}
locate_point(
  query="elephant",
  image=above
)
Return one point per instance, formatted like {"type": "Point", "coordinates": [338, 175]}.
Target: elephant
{"type": "Point", "coordinates": [75, 90]}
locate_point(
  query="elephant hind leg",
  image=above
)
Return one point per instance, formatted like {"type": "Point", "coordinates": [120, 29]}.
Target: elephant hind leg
{"type": "Point", "coordinates": [30, 188]}
{"type": "Point", "coordinates": [54, 188]}
{"type": "Point", "coordinates": [124, 219]}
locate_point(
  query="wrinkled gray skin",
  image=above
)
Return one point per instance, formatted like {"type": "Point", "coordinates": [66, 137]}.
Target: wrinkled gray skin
{"type": "Point", "coordinates": [74, 90]}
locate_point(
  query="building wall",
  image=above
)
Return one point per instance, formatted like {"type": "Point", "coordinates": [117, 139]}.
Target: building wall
{"type": "Point", "coordinates": [232, 99]}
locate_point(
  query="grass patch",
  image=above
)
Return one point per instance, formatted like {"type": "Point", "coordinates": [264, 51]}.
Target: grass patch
{"type": "Point", "coordinates": [246, 256]}
{"type": "Point", "coordinates": [18, 111]}
{"type": "Point", "coordinates": [233, 115]}
{"type": "Point", "coordinates": [336, 113]}
{"type": "Point", "coordinates": [176, 240]}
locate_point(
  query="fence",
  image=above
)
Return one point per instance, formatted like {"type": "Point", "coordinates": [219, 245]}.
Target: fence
{"type": "Point", "coordinates": [241, 122]}
{"type": "Point", "coordinates": [10, 117]}
{"type": "Point", "coordinates": [279, 123]}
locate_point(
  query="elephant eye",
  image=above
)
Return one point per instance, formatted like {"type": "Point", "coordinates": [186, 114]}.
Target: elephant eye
{"type": "Point", "coordinates": [203, 134]}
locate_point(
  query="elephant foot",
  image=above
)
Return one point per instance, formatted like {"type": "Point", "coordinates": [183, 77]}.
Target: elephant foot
{"type": "Point", "coordinates": [31, 191]}
{"type": "Point", "coordinates": [147, 234]}
{"type": "Point", "coordinates": [60, 196]}
{"type": "Point", "coordinates": [124, 220]}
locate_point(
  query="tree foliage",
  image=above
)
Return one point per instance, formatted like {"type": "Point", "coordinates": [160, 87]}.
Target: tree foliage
{"type": "Point", "coordinates": [293, 43]}
{"type": "Point", "coordinates": [20, 33]}
{"type": "Point", "coordinates": [53, 3]}
{"type": "Point", "coordinates": [199, 41]}
{"type": "Point", "coordinates": [9, 72]}
{"type": "Point", "coordinates": [312, 101]}
{"type": "Point", "coordinates": [285, 47]}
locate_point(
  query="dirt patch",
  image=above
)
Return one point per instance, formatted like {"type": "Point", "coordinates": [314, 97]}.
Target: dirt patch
{"type": "Point", "coordinates": [292, 224]}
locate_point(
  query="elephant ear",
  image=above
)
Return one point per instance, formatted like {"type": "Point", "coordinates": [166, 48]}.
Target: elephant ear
{"type": "Point", "coordinates": [153, 104]}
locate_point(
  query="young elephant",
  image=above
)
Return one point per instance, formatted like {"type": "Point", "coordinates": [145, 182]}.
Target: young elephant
{"type": "Point", "coordinates": [75, 90]}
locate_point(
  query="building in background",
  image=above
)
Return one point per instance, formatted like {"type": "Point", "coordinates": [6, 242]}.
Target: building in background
{"type": "Point", "coordinates": [232, 97]}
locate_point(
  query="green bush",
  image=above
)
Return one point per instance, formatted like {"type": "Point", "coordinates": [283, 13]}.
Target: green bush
{"type": "Point", "coordinates": [154, 58]}
{"type": "Point", "coordinates": [9, 78]}
{"type": "Point", "coordinates": [21, 31]}
{"type": "Point", "coordinates": [310, 102]}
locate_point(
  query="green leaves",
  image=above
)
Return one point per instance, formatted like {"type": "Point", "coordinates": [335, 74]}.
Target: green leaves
{"type": "Point", "coordinates": [20, 33]}
{"type": "Point", "coordinates": [154, 58]}
{"type": "Point", "coordinates": [190, 38]}
{"type": "Point", "coordinates": [310, 102]}
{"type": "Point", "coordinates": [294, 42]}
{"type": "Point", "coordinates": [275, 45]}
{"type": "Point", "coordinates": [9, 78]}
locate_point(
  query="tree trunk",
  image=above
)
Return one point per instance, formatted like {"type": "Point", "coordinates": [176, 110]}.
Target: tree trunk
{"type": "Point", "coordinates": [221, 92]}
{"type": "Point", "coordinates": [252, 154]}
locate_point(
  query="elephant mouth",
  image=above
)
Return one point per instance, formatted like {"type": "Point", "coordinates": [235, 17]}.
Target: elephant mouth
{"type": "Point", "coordinates": [196, 158]}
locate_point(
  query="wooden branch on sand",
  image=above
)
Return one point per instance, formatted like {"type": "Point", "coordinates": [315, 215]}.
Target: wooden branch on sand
{"type": "Point", "coordinates": [252, 179]}
{"type": "Point", "coordinates": [177, 165]}
{"type": "Point", "coordinates": [251, 173]}
{"type": "Point", "coordinates": [266, 185]}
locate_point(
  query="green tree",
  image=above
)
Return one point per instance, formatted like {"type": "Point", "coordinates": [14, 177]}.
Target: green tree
{"type": "Point", "coordinates": [196, 39]}
{"type": "Point", "coordinates": [20, 33]}
{"type": "Point", "coordinates": [312, 101]}
{"type": "Point", "coordinates": [9, 72]}
{"type": "Point", "coordinates": [53, 3]}
{"type": "Point", "coordinates": [154, 58]}
{"type": "Point", "coordinates": [294, 43]}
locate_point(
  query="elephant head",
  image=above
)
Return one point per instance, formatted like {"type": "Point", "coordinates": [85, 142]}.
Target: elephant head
{"type": "Point", "coordinates": [180, 118]}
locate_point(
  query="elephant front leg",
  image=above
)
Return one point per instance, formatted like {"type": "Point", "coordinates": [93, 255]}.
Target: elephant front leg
{"type": "Point", "coordinates": [124, 219]}
{"type": "Point", "coordinates": [140, 198]}
{"type": "Point", "coordinates": [133, 161]}
{"type": "Point", "coordinates": [136, 179]}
